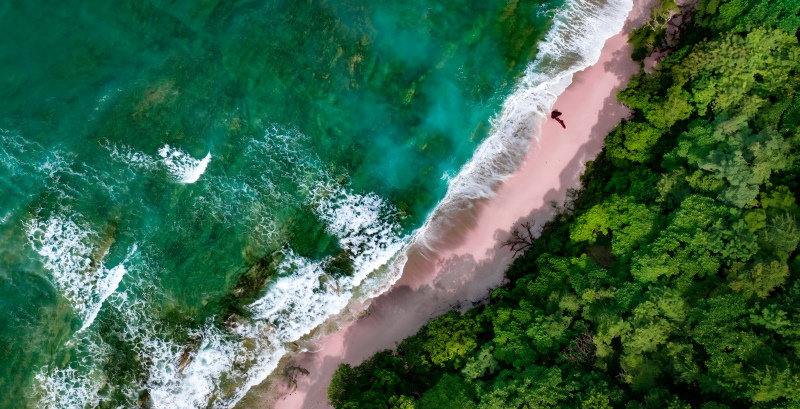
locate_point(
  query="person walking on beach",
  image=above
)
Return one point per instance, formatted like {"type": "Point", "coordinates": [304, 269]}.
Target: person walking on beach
{"type": "Point", "coordinates": [555, 115]}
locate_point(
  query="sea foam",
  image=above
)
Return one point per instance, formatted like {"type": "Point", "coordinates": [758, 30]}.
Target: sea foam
{"type": "Point", "coordinates": [184, 167]}
{"type": "Point", "coordinates": [71, 254]}
{"type": "Point", "coordinates": [301, 302]}
{"type": "Point", "coordinates": [180, 165]}
{"type": "Point", "coordinates": [230, 359]}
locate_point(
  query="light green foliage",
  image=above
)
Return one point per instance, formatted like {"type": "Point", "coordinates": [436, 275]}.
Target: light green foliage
{"type": "Point", "coordinates": [632, 141]}
{"type": "Point", "coordinates": [585, 275]}
{"type": "Point", "coordinates": [521, 334]}
{"type": "Point", "coordinates": [676, 108]}
{"type": "Point", "coordinates": [691, 244]}
{"type": "Point", "coordinates": [479, 364]}
{"type": "Point", "coordinates": [631, 224]}
{"type": "Point", "coordinates": [743, 15]}
{"type": "Point", "coordinates": [653, 324]}
{"type": "Point", "coordinates": [596, 400]}
{"type": "Point", "coordinates": [770, 317]}
{"type": "Point", "coordinates": [673, 188]}
{"type": "Point", "coordinates": [451, 339]}
{"type": "Point", "coordinates": [737, 74]}
{"type": "Point", "coordinates": [727, 150]}
{"type": "Point", "coordinates": [775, 383]}
{"type": "Point", "coordinates": [703, 181]}
{"type": "Point", "coordinates": [609, 327]}
{"type": "Point", "coordinates": [553, 270]}
{"type": "Point", "coordinates": [402, 402]}
{"type": "Point", "coordinates": [535, 387]}
{"type": "Point", "coordinates": [652, 34]}
{"type": "Point", "coordinates": [758, 279]}
{"type": "Point", "coordinates": [676, 403]}
{"type": "Point", "coordinates": [781, 236]}
{"type": "Point", "coordinates": [779, 200]}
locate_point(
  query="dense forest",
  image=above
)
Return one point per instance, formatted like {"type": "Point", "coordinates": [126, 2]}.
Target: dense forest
{"type": "Point", "coordinates": [671, 279]}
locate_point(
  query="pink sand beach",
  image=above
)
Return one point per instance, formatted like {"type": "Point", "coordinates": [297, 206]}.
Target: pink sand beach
{"type": "Point", "coordinates": [470, 267]}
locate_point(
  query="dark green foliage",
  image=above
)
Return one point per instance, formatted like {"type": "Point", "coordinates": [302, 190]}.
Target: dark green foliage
{"type": "Point", "coordinates": [651, 36]}
{"type": "Point", "coordinates": [674, 281]}
{"type": "Point", "coordinates": [743, 15]}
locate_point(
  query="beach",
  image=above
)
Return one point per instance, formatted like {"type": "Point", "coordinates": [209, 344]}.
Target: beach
{"type": "Point", "coordinates": [463, 272]}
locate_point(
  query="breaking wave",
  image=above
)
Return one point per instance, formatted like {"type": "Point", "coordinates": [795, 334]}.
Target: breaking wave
{"type": "Point", "coordinates": [74, 256]}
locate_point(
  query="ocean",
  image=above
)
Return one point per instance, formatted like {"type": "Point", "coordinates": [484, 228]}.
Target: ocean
{"type": "Point", "coordinates": [188, 188]}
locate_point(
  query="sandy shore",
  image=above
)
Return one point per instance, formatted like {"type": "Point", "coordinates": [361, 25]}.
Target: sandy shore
{"type": "Point", "coordinates": [473, 265]}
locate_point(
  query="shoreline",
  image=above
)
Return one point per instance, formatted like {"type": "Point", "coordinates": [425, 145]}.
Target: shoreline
{"type": "Point", "coordinates": [464, 270]}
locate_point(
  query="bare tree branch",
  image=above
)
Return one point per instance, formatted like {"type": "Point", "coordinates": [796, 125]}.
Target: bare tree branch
{"type": "Point", "coordinates": [519, 242]}
{"type": "Point", "coordinates": [583, 350]}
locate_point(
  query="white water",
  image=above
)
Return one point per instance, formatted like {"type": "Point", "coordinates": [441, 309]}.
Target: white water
{"type": "Point", "coordinates": [574, 43]}
{"type": "Point", "coordinates": [180, 165]}
{"type": "Point", "coordinates": [184, 167]}
{"type": "Point", "coordinates": [70, 252]}
{"type": "Point", "coordinates": [244, 352]}
{"type": "Point", "coordinates": [300, 299]}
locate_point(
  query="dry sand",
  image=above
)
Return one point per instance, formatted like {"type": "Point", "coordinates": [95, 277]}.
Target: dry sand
{"type": "Point", "coordinates": [473, 265]}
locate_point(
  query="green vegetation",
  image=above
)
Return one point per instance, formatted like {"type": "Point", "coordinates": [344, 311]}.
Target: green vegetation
{"type": "Point", "coordinates": [674, 281]}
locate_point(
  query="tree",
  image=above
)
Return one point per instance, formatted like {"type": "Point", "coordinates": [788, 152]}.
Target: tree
{"type": "Point", "coordinates": [450, 339]}
{"type": "Point", "coordinates": [632, 141]}
{"type": "Point", "coordinates": [757, 279]}
{"type": "Point", "coordinates": [452, 392]}
{"type": "Point", "coordinates": [631, 224]}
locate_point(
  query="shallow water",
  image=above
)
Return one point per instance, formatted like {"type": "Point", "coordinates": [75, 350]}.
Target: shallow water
{"type": "Point", "coordinates": [185, 187]}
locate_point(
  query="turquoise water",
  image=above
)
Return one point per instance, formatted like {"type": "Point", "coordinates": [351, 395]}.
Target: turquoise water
{"type": "Point", "coordinates": [186, 187]}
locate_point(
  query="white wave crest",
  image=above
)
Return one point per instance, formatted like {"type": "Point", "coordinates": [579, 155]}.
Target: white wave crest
{"type": "Point", "coordinates": [230, 360]}
{"type": "Point", "coordinates": [127, 155]}
{"type": "Point", "coordinates": [197, 383]}
{"type": "Point", "coordinates": [302, 297]}
{"type": "Point", "coordinates": [297, 302]}
{"type": "Point", "coordinates": [184, 167]}
{"type": "Point", "coordinates": [365, 225]}
{"type": "Point", "coordinates": [71, 254]}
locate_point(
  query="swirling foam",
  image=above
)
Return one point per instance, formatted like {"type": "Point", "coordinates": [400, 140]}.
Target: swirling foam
{"type": "Point", "coordinates": [70, 253]}
{"type": "Point", "coordinates": [184, 167]}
